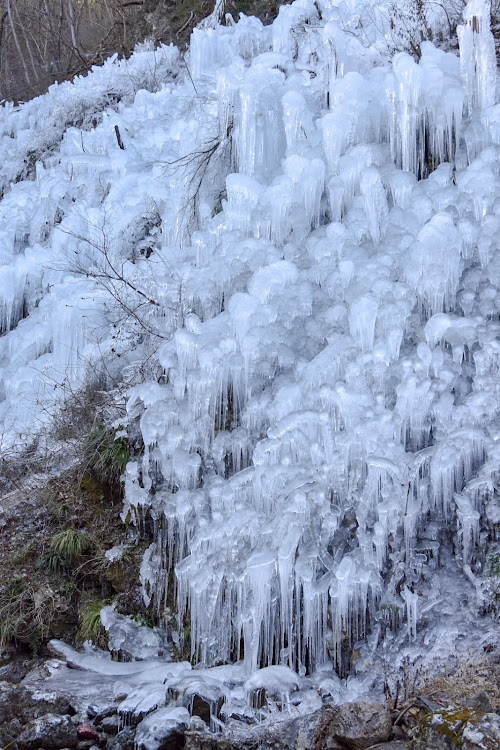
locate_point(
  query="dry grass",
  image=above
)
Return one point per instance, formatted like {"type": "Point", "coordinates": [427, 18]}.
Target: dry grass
{"type": "Point", "coordinates": [476, 674]}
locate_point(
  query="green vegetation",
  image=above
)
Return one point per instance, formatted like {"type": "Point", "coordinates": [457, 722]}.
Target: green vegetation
{"type": "Point", "coordinates": [54, 576]}
{"type": "Point", "coordinates": [106, 454]}
{"type": "Point", "coordinates": [28, 613]}
{"type": "Point", "coordinates": [19, 556]}
{"type": "Point", "coordinates": [91, 628]}
{"type": "Point", "coordinates": [70, 545]}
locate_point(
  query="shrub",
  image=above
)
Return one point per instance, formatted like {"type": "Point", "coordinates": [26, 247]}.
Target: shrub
{"type": "Point", "coordinates": [69, 545]}
{"type": "Point", "coordinates": [91, 628]}
{"type": "Point", "coordinates": [107, 455]}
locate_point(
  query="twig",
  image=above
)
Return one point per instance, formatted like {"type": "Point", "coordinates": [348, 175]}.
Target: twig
{"type": "Point", "coordinates": [185, 24]}
{"type": "Point", "coordinates": [119, 138]}
{"type": "Point", "coordinates": [400, 716]}
{"type": "Point", "coordinates": [189, 73]}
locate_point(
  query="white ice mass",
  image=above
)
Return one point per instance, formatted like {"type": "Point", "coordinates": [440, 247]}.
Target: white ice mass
{"type": "Point", "coordinates": [294, 265]}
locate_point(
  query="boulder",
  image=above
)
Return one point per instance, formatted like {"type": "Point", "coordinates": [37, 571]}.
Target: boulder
{"type": "Point", "coordinates": [357, 726]}
{"type": "Point", "coordinates": [292, 734]}
{"type": "Point", "coordinates": [49, 731]}
{"type": "Point", "coordinates": [25, 704]}
{"type": "Point", "coordinates": [164, 728]}
{"type": "Point", "coordinates": [482, 734]}
{"type": "Point", "coordinates": [479, 702]}
{"type": "Point", "coordinates": [124, 740]}
{"type": "Point", "coordinates": [87, 732]}
{"type": "Point", "coordinates": [457, 727]}
{"type": "Point", "coordinates": [111, 724]}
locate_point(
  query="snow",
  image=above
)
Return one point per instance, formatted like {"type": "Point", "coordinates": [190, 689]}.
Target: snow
{"type": "Point", "coordinates": [293, 270]}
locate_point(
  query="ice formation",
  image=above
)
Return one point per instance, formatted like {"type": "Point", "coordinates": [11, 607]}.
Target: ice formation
{"type": "Point", "coordinates": [305, 236]}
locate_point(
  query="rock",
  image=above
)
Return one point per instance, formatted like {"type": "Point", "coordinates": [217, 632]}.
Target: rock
{"type": "Point", "coordinates": [292, 734]}
{"type": "Point", "coordinates": [164, 728]}
{"type": "Point", "coordinates": [103, 713]}
{"type": "Point", "coordinates": [483, 734]}
{"type": "Point", "coordinates": [111, 724]}
{"type": "Point", "coordinates": [458, 727]}
{"type": "Point", "coordinates": [26, 704]}
{"type": "Point", "coordinates": [49, 731]}
{"type": "Point", "coordinates": [87, 732]}
{"type": "Point", "coordinates": [358, 725]}
{"type": "Point", "coordinates": [479, 702]}
{"type": "Point", "coordinates": [124, 740]}
{"type": "Point", "coordinates": [102, 739]}
{"type": "Point", "coordinates": [9, 731]}
{"type": "Point", "coordinates": [199, 740]}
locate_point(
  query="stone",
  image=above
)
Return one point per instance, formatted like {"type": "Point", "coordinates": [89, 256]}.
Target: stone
{"type": "Point", "coordinates": [357, 726]}
{"type": "Point", "coordinates": [479, 702]}
{"type": "Point", "coordinates": [49, 731]}
{"type": "Point", "coordinates": [25, 704]}
{"type": "Point", "coordinates": [287, 734]}
{"type": "Point", "coordinates": [163, 728]}
{"type": "Point", "coordinates": [102, 739]}
{"type": "Point", "coordinates": [458, 727]}
{"type": "Point", "coordinates": [87, 732]}
{"type": "Point", "coordinates": [124, 740]}
{"type": "Point", "coordinates": [103, 713]}
{"type": "Point", "coordinates": [482, 734]}
{"type": "Point", "coordinates": [111, 724]}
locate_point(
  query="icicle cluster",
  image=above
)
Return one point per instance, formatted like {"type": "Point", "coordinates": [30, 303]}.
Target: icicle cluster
{"type": "Point", "coordinates": [309, 241]}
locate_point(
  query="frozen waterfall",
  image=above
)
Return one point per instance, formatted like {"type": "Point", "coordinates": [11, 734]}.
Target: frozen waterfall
{"type": "Point", "coordinates": [307, 236]}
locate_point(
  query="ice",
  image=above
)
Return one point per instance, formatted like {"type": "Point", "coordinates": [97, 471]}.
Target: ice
{"type": "Point", "coordinates": [336, 136]}
{"type": "Point", "coordinates": [468, 522]}
{"type": "Point", "coordinates": [290, 276]}
{"type": "Point", "coordinates": [411, 601]}
{"type": "Point", "coordinates": [401, 188]}
{"type": "Point", "coordinates": [298, 122]}
{"type": "Point", "coordinates": [375, 203]}
{"type": "Point", "coordinates": [276, 682]}
{"type": "Point", "coordinates": [158, 726]}
{"type": "Point", "coordinates": [477, 55]}
{"type": "Point", "coordinates": [142, 700]}
{"type": "Point", "coordinates": [129, 639]}
{"type": "Point", "coordinates": [362, 317]}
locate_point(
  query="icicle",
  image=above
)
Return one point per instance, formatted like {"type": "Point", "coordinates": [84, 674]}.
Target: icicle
{"type": "Point", "coordinates": [243, 194]}
{"type": "Point", "coordinates": [401, 186]}
{"type": "Point", "coordinates": [468, 524]}
{"type": "Point", "coordinates": [336, 129]}
{"type": "Point", "coordinates": [375, 200]}
{"type": "Point", "coordinates": [411, 601]}
{"type": "Point", "coordinates": [362, 318]}
{"type": "Point", "coordinates": [477, 55]}
{"type": "Point", "coordinates": [228, 83]}
{"type": "Point", "coordinates": [311, 186]}
{"type": "Point", "coordinates": [406, 115]}
{"type": "Point", "coordinates": [298, 122]}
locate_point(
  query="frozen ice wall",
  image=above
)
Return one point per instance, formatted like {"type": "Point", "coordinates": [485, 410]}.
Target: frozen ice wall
{"type": "Point", "coordinates": [313, 430]}
{"type": "Point", "coordinates": [305, 237]}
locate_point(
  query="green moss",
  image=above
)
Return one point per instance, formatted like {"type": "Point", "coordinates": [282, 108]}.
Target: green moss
{"type": "Point", "coordinates": [449, 724]}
